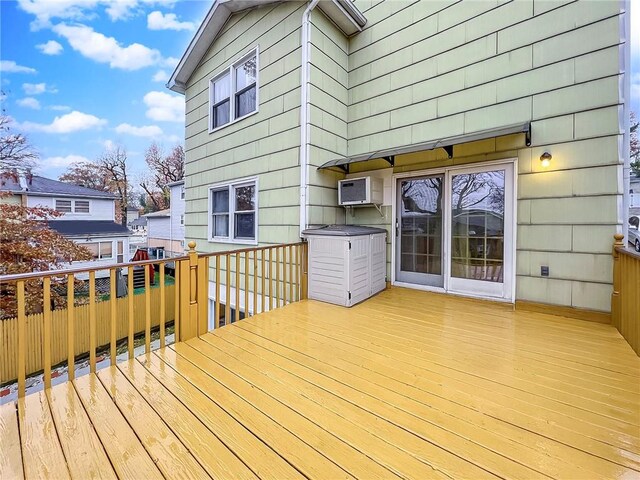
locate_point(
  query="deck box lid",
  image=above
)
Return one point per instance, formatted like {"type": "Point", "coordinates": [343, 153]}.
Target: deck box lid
{"type": "Point", "coordinates": [343, 230]}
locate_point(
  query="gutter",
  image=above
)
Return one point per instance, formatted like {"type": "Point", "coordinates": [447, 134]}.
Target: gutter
{"type": "Point", "coordinates": [304, 116]}
{"type": "Point", "coordinates": [626, 122]}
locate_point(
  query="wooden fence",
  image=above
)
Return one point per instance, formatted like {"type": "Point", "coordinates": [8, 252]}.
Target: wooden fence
{"type": "Point", "coordinates": [625, 301]}
{"type": "Point", "coordinates": [59, 334]}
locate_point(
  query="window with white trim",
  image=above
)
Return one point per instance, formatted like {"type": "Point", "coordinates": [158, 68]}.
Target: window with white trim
{"type": "Point", "coordinates": [100, 250]}
{"type": "Point", "coordinates": [182, 192]}
{"type": "Point", "coordinates": [181, 219]}
{"type": "Point", "coordinates": [63, 206]}
{"type": "Point", "coordinates": [233, 94]}
{"type": "Point", "coordinates": [233, 212]}
{"type": "Point", "coordinates": [72, 206]}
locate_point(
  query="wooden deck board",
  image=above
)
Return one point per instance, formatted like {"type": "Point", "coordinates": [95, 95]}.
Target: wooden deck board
{"type": "Point", "coordinates": [10, 455]}
{"type": "Point", "coordinates": [82, 448]}
{"type": "Point", "coordinates": [42, 455]}
{"type": "Point", "coordinates": [129, 458]}
{"type": "Point", "coordinates": [205, 446]}
{"type": "Point", "coordinates": [448, 388]}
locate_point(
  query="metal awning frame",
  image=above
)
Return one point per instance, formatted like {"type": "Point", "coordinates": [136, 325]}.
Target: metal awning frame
{"type": "Point", "coordinates": [446, 144]}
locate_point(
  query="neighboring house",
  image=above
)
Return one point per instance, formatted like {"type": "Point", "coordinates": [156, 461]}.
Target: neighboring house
{"type": "Point", "coordinates": [283, 99]}
{"type": "Point", "coordinates": [634, 190]}
{"type": "Point", "coordinates": [165, 228]}
{"type": "Point", "coordinates": [133, 213]}
{"type": "Point", "coordinates": [88, 215]}
{"type": "Point", "coordinates": [139, 225]}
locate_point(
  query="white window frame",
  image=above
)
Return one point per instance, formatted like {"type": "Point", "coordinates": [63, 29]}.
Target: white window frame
{"type": "Point", "coordinates": [72, 206]}
{"type": "Point", "coordinates": [99, 243]}
{"type": "Point", "coordinates": [182, 219]}
{"type": "Point", "coordinates": [182, 192]}
{"type": "Point", "coordinates": [230, 70]}
{"type": "Point", "coordinates": [231, 186]}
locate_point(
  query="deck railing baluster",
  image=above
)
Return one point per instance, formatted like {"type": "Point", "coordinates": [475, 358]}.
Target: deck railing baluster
{"type": "Point", "coordinates": [147, 308]}
{"type": "Point", "coordinates": [238, 261]}
{"type": "Point", "coordinates": [70, 327]}
{"type": "Point", "coordinates": [22, 339]}
{"type": "Point", "coordinates": [46, 343]}
{"type": "Point", "coordinates": [92, 322]}
{"type": "Point", "coordinates": [113, 310]}
{"type": "Point", "coordinates": [163, 313]}
{"type": "Point", "coordinates": [216, 317]}
{"type": "Point", "coordinates": [262, 275]}
{"type": "Point", "coordinates": [246, 284]}
{"type": "Point", "coordinates": [277, 277]}
{"type": "Point", "coordinates": [227, 297]}
{"type": "Point", "coordinates": [255, 282]}
{"type": "Point", "coordinates": [130, 318]}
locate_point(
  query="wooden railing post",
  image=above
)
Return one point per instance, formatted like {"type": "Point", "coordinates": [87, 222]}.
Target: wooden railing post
{"type": "Point", "coordinates": [304, 269]}
{"type": "Point", "coordinates": [615, 296]}
{"type": "Point", "coordinates": [189, 295]}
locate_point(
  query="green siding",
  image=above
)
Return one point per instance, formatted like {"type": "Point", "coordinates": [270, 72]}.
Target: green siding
{"type": "Point", "coordinates": [420, 71]}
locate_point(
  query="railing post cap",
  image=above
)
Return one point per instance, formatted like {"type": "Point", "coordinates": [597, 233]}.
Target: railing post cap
{"type": "Point", "coordinates": [618, 237]}
{"type": "Point", "coordinates": [192, 245]}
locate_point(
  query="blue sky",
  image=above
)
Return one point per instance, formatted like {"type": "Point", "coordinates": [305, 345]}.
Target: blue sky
{"type": "Point", "coordinates": [81, 75]}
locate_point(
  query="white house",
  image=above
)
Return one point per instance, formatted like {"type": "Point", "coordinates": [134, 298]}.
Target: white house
{"type": "Point", "coordinates": [88, 216]}
{"type": "Point", "coordinates": [165, 228]}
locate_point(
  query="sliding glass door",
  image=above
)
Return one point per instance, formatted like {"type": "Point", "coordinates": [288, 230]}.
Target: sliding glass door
{"type": "Point", "coordinates": [419, 226]}
{"type": "Point", "coordinates": [454, 230]}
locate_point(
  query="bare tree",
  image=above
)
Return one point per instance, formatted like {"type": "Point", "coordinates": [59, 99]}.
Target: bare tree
{"type": "Point", "coordinates": [164, 169]}
{"type": "Point", "coordinates": [16, 153]}
{"type": "Point", "coordinates": [114, 163]}
{"type": "Point", "coordinates": [88, 174]}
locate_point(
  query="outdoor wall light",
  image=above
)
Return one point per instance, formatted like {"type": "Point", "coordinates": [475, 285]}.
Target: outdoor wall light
{"type": "Point", "coordinates": [545, 159]}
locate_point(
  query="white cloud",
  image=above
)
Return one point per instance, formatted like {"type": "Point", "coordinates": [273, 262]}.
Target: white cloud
{"type": "Point", "coordinates": [60, 108]}
{"type": "Point", "coordinates": [148, 131]}
{"type": "Point", "coordinates": [103, 49]}
{"type": "Point", "coordinates": [164, 107]}
{"type": "Point", "coordinates": [50, 48]}
{"type": "Point", "coordinates": [9, 66]}
{"type": "Point", "coordinates": [109, 144]}
{"type": "Point", "coordinates": [34, 88]}
{"type": "Point", "coordinates": [61, 162]}
{"type": "Point", "coordinates": [46, 10]}
{"type": "Point", "coordinates": [170, 62]}
{"type": "Point", "coordinates": [160, 76]}
{"type": "Point", "coordinates": [69, 123]}
{"type": "Point", "coordinates": [29, 103]}
{"type": "Point", "coordinates": [159, 21]}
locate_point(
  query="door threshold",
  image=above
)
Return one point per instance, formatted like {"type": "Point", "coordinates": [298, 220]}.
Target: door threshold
{"type": "Point", "coordinates": [441, 290]}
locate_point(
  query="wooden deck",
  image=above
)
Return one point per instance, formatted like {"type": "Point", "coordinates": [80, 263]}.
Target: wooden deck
{"type": "Point", "coordinates": [407, 384]}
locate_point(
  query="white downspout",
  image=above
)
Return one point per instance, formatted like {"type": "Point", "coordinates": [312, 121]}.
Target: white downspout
{"type": "Point", "coordinates": [626, 123]}
{"type": "Point", "coordinates": [304, 116]}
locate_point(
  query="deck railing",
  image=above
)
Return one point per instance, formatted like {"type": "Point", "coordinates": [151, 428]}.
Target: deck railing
{"type": "Point", "coordinates": [59, 318]}
{"type": "Point", "coordinates": [625, 300]}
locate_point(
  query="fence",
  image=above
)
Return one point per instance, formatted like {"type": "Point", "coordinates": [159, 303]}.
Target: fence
{"type": "Point", "coordinates": [625, 300]}
{"type": "Point", "coordinates": [250, 280]}
{"type": "Point", "coordinates": [35, 336]}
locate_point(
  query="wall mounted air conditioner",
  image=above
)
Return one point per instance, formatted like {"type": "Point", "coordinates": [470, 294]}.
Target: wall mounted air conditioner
{"type": "Point", "coordinates": [360, 191]}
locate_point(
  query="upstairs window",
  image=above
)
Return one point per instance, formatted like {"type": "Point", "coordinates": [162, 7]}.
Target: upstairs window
{"type": "Point", "coordinates": [72, 206]}
{"type": "Point", "coordinates": [182, 192]}
{"type": "Point", "coordinates": [82, 206]}
{"type": "Point", "coordinates": [233, 94]}
{"type": "Point", "coordinates": [63, 206]}
{"type": "Point", "coordinates": [233, 212]}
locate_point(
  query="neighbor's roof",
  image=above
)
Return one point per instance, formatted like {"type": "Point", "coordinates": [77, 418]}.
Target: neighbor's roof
{"type": "Point", "coordinates": [159, 213]}
{"type": "Point", "coordinates": [176, 183]}
{"type": "Point", "coordinates": [342, 12]}
{"type": "Point", "coordinates": [45, 186]}
{"type": "Point", "coordinates": [139, 221]}
{"type": "Point", "coordinates": [88, 227]}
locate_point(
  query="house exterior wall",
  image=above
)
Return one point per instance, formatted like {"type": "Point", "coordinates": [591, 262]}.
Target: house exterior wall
{"type": "Point", "coordinates": [426, 70]}
{"type": "Point", "coordinates": [177, 210]}
{"type": "Point", "coordinates": [99, 209]}
{"type": "Point", "coordinates": [114, 240]}
{"type": "Point", "coordinates": [421, 71]}
{"type": "Point", "coordinates": [265, 144]}
{"type": "Point", "coordinates": [159, 227]}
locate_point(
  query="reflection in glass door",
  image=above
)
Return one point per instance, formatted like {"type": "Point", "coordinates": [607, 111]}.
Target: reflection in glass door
{"type": "Point", "coordinates": [455, 230]}
{"type": "Point", "coordinates": [419, 231]}
{"type": "Point", "coordinates": [477, 226]}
